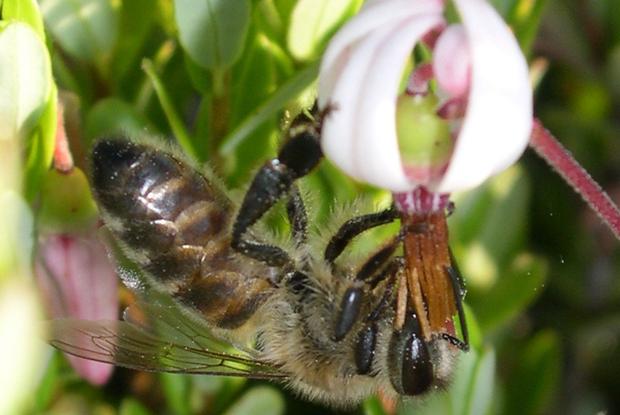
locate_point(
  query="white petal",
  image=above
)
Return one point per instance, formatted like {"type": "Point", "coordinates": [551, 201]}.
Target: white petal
{"type": "Point", "coordinates": [361, 79]}
{"type": "Point", "coordinates": [379, 13]}
{"type": "Point", "coordinates": [498, 121]}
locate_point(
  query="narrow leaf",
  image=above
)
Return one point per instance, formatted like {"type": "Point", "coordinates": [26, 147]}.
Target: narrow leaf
{"type": "Point", "coordinates": [536, 378]}
{"type": "Point", "coordinates": [176, 124]}
{"type": "Point", "coordinates": [481, 387]}
{"type": "Point", "coordinates": [276, 102]}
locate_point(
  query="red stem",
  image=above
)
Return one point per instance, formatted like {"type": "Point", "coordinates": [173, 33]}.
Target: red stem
{"type": "Point", "coordinates": [560, 159]}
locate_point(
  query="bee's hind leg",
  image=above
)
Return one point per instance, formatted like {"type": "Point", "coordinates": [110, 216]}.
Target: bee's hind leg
{"type": "Point", "coordinates": [299, 155]}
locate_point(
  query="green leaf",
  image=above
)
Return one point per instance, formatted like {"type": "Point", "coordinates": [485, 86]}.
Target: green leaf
{"type": "Point", "coordinates": [372, 406]}
{"type": "Point", "coordinates": [512, 293]}
{"type": "Point", "coordinates": [200, 77]}
{"type": "Point", "coordinates": [130, 406]}
{"type": "Point", "coordinates": [86, 29]}
{"type": "Point", "coordinates": [114, 116]}
{"type": "Point", "coordinates": [213, 32]}
{"type": "Point", "coordinates": [312, 22]}
{"type": "Point", "coordinates": [260, 400]}
{"type": "Point", "coordinates": [26, 11]}
{"type": "Point", "coordinates": [481, 386]}
{"type": "Point", "coordinates": [40, 146]}
{"type": "Point", "coordinates": [486, 241]}
{"type": "Point", "coordinates": [472, 390]}
{"type": "Point", "coordinates": [137, 22]}
{"type": "Point", "coordinates": [25, 80]}
{"type": "Point", "coordinates": [176, 390]}
{"type": "Point", "coordinates": [525, 18]}
{"type": "Point", "coordinates": [254, 82]}
{"type": "Point", "coordinates": [536, 378]}
{"type": "Point", "coordinates": [470, 393]}
{"type": "Point", "coordinates": [476, 337]}
{"type": "Point", "coordinates": [270, 107]}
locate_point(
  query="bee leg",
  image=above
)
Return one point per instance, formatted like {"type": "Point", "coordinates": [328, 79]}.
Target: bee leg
{"type": "Point", "coordinates": [353, 227]}
{"type": "Point", "coordinates": [352, 299]}
{"type": "Point", "coordinates": [376, 261]}
{"type": "Point", "coordinates": [366, 341]}
{"type": "Point", "coordinates": [298, 157]}
{"type": "Point", "coordinates": [297, 216]}
{"type": "Point", "coordinates": [458, 291]}
{"type": "Point", "coordinates": [350, 305]}
{"type": "Point", "coordinates": [461, 345]}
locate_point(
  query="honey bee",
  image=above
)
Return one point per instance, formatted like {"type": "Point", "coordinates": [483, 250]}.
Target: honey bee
{"type": "Point", "coordinates": [221, 298]}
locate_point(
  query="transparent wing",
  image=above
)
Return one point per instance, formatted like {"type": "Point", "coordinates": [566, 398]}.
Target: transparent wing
{"type": "Point", "coordinates": [157, 334]}
{"type": "Point", "coordinates": [129, 345]}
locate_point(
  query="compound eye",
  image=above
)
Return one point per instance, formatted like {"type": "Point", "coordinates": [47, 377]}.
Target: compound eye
{"type": "Point", "coordinates": [410, 368]}
{"type": "Point", "coordinates": [349, 311]}
{"type": "Point", "coordinates": [417, 368]}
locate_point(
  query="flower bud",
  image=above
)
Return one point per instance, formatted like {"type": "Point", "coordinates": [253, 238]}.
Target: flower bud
{"type": "Point", "coordinates": [66, 202]}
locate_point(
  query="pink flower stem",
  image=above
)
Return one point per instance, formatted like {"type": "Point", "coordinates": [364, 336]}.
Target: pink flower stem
{"type": "Point", "coordinates": [560, 159]}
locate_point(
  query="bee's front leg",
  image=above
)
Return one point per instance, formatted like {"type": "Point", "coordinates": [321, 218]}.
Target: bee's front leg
{"type": "Point", "coordinates": [299, 155]}
{"type": "Point", "coordinates": [458, 290]}
{"type": "Point", "coordinates": [353, 227]}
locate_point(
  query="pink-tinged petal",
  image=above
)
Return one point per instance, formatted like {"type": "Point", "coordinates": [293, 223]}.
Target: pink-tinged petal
{"type": "Point", "coordinates": [77, 279]}
{"type": "Point", "coordinates": [360, 79]}
{"type": "Point", "coordinates": [96, 373]}
{"type": "Point", "coordinates": [498, 120]}
{"type": "Point", "coordinates": [83, 275]}
{"type": "Point", "coordinates": [451, 61]}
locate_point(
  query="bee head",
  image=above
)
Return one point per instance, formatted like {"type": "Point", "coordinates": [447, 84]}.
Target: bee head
{"type": "Point", "coordinates": [416, 365]}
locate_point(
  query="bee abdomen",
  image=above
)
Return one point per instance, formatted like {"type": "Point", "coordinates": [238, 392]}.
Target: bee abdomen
{"type": "Point", "coordinates": [227, 299]}
{"type": "Point", "coordinates": [168, 215]}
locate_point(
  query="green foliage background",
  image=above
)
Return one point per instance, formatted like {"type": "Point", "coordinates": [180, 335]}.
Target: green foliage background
{"type": "Point", "coordinates": [223, 76]}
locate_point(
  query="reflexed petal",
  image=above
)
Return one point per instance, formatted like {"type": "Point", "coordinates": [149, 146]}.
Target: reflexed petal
{"type": "Point", "coordinates": [360, 76]}
{"type": "Point", "coordinates": [77, 279]}
{"type": "Point", "coordinates": [498, 121]}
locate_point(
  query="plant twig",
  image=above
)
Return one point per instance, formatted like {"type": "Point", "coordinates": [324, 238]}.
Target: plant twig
{"type": "Point", "coordinates": [560, 159]}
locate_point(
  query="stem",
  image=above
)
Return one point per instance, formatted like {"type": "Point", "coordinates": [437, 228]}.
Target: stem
{"type": "Point", "coordinates": [560, 159]}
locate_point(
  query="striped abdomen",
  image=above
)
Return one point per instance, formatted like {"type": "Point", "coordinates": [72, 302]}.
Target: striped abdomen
{"type": "Point", "coordinates": [174, 224]}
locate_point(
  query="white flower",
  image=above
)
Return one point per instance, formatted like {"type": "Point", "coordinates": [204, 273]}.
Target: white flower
{"type": "Point", "coordinates": [478, 62]}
